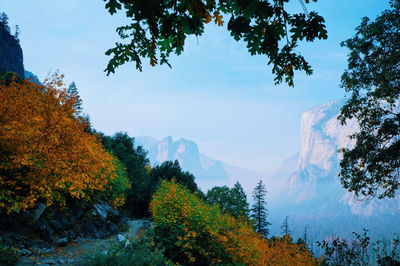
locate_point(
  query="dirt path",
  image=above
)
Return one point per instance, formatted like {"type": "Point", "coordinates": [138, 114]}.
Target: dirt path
{"type": "Point", "coordinates": [74, 252]}
{"type": "Point", "coordinates": [71, 254]}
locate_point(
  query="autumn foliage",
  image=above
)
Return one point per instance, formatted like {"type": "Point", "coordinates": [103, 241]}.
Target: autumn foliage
{"type": "Point", "coordinates": [45, 153]}
{"type": "Point", "coordinates": [194, 232]}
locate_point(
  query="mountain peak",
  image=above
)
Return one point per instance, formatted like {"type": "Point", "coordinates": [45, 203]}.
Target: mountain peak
{"type": "Point", "coordinates": [208, 171]}
{"type": "Point", "coordinates": [168, 139]}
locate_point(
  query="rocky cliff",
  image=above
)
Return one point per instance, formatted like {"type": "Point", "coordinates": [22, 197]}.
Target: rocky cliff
{"type": "Point", "coordinates": [315, 182]}
{"type": "Point", "coordinates": [321, 137]}
{"type": "Point", "coordinates": [11, 57]}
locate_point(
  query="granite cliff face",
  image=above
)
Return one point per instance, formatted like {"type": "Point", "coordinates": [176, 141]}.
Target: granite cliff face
{"type": "Point", "coordinates": [11, 57]}
{"type": "Point", "coordinates": [315, 181]}
{"type": "Point", "coordinates": [318, 166]}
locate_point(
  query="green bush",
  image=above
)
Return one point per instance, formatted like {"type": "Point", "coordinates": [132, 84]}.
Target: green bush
{"type": "Point", "coordinates": [141, 252]}
{"type": "Point", "coordinates": [135, 160]}
{"type": "Point", "coordinates": [117, 189]}
{"type": "Point", "coordinates": [8, 255]}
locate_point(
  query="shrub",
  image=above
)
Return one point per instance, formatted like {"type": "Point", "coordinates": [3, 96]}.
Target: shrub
{"type": "Point", "coordinates": [195, 233]}
{"type": "Point", "coordinates": [139, 252]}
{"type": "Point", "coordinates": [116, 190]}
{"type": "Point", "coordinates": [8, 255]}
{"type": "Point", "coordinates": [360, 250]}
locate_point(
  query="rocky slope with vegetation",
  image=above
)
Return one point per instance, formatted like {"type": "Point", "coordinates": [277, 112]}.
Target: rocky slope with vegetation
{"type": "Point", "coordinates": [11, 57]}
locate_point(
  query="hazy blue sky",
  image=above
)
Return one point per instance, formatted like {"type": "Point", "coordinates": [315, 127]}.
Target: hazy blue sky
{"type": "Point", "coordinates": [216, 94]}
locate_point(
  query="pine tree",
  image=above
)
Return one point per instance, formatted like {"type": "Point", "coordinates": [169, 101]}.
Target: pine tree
{"type": "Point", "coordinates": [312, 245]}
{"type": "Point", "coordinates": [72, 92]}
{"type": "Point", "coordinates": [305, 236]}
{"type": "Point", "coordinates": [4, 22]}
{"type": "Point", "coordinates": [17, 32]}
{"type": "Point", "coordinates": [259, 211]}
{"type": "Point", "coordinates": [241, 205]}
{"type": "Point", "coordinates": [285, 226]}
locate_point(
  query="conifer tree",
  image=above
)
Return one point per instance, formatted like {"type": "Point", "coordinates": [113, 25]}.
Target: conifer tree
{"type": "Point", "coordinates": [230, 200]}
{"type": "Point", "coordinates": [259, 211]}
{"type": "Point", "coordinates": [241, 205]}
{"type": "Point", "coordinates": [285, 226]}
{"type": "Point", "coordinates": [17, 32]}
{"type": "Point", "coordinates": [305, 236]}
{"type": "Point", "coordinates": [72, 92]}
{"type": "Point", "coordinates": [4, 21]}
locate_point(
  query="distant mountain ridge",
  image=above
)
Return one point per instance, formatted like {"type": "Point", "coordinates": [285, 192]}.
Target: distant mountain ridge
{"type": "Point", "coordinates": [208, 171]}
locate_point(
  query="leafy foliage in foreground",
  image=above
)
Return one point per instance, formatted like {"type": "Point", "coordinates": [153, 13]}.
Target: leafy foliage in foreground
{"type": "Point", "coordinates": [139, 252]}
{"type": "Point", "coordinates": [45, 154]}
{"type": "Point", "coordinates": [159, 28]}
{"type": "Point", "coordinates": [195, 233]}
{"type": "Point", "coordinates": [371, 167]}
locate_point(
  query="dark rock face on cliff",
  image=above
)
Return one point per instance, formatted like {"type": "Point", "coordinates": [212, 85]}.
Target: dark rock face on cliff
{"type": "Point", "coordinates": [11, 58]}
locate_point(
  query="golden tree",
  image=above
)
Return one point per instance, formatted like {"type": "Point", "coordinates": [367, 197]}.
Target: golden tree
{"type": "Point", "coordinates": [45, 153]}
{"type": "Point", "coordinates": [195, 233]}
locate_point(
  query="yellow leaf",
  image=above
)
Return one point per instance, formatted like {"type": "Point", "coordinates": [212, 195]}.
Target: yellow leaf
{"type": "Point", "coordinates": [208, 18]}
{"type": "Point", "coordinates": [218, 19]}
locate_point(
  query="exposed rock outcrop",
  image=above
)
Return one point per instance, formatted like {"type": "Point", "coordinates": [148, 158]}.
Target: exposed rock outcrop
{"type": "Point", "coordinates": [11, 57]}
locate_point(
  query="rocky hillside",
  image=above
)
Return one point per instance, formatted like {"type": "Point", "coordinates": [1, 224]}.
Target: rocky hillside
{"type": "Point", "coordinates": [11, 57]}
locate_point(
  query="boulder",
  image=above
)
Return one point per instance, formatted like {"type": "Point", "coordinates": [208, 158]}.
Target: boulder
{"type": "Point", "coordinates": [61, 242]}
{"type": "Point", "coordinates": [45, 230]}
{"type": "Point", "coordinates": [25, 252]}
{"type": "Point", "coordinates": [112, 228]}
{"type": "Point", "coordinates": [105, 210]}
{"type": "Point", "coordinates": [38, 211]}
{"type": "Point", "coordinates": [120, 238]}
{"type": "Point", "coordinates": [41, 246]}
